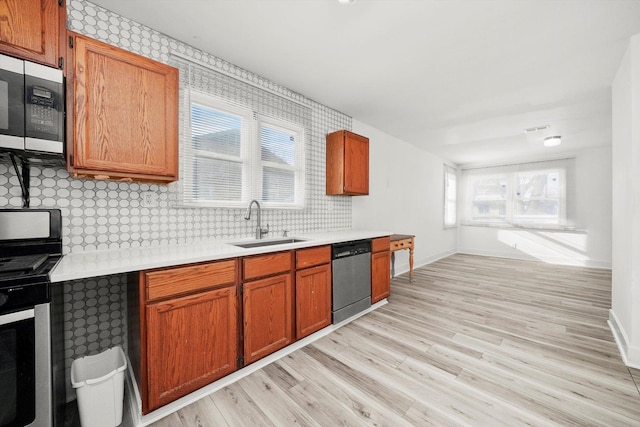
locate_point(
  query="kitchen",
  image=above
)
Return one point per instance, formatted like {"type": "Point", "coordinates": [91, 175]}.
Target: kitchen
{"type": "Point", "coordinates": [99, 214]}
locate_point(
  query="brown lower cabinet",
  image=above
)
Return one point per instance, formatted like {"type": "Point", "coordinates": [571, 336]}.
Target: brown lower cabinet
{"type": "Point", "coordinates": [313, 290]}
{"type": "Point", "coordinates": [267, 304]}
{"type": "Point", "coordinates": [189, 324]}
{"type": "Point", "coordinates": [380, 269]}
{"type": "Point", "coordinates": [183, 333]}
{"type": "Point", "coordinates": [191, 342]}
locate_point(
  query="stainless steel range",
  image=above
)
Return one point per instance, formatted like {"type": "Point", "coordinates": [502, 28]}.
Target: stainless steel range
{"type": "Point", "coordinates": [31, 325]}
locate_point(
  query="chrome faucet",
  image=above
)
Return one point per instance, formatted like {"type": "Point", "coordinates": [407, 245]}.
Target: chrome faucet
{"type": "Point", "coordinates": [259, 230]}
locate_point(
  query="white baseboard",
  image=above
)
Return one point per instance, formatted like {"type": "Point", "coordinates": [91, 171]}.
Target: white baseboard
{"type": "Point", "coordinates": [135, 403]}
{"type": "Point", "coordinates": [606, 265]}
{"type": "Point", "coordinates": [630, 354]}
{"type": "Point", "coordinates": [421, 262]}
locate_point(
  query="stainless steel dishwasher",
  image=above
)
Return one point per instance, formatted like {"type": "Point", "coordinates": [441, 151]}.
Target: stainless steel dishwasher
{"type": "Point", "coordinates": [351, 273]}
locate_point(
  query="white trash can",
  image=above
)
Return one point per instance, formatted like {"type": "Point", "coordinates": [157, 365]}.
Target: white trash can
{"type": "Point", "coordinates": [99, 384]}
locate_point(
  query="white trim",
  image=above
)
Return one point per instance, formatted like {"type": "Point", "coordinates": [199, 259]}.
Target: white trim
{"type": "Point", "coordinates": [605, 265]}
{"type": "Point", "coordinates": [152, 417]}
{"type": "Point", "coordinates": [630, 354]}
{"type": "Point", "coordinates": [404, 267]}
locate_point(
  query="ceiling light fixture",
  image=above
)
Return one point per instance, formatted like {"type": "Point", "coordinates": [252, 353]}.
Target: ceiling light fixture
{"type": "Point", "coordinates": [347, 1]}
{"type": "Point", "coordinates": [552, 141]}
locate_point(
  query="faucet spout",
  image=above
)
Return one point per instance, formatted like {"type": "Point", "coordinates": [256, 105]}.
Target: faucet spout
{"type": "Point", "coordinates": [259, 230]}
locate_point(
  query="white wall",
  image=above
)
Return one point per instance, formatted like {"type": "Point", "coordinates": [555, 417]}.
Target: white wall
{"type": "Point", "coordinates": [625, 297]}
{"type": "Point", "coordinates": [405, 197]}
{"type": "Point", "coordinates": [591, 247]}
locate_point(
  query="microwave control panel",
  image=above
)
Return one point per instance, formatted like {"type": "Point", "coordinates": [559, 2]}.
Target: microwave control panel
{"type": "Point", "coordinates": [44, 113]}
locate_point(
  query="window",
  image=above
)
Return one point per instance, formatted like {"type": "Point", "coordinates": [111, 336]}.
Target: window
{"type": "Point", "coordinates": [450, 197]}
{"type": "Point", "coordinates": [236, 155]}
{"type": "Point", "coordinates": [533, 194]}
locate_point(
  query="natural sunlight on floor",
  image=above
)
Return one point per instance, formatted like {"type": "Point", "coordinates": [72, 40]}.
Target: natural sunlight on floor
{"type": "Point", "coordinates": [548, 246]}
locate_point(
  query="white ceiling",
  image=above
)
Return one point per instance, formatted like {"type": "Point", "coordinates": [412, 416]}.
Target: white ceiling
{"type": "Point", "coordinates": [460, 78]}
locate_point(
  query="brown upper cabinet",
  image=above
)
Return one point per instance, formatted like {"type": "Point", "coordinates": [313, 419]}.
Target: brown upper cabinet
{"type": "Point", "coordinates": [347, 164]}
{"type": "Point", "coordinates": [33, 29]}
{"type": "Point", "coordinates": [122, 112]}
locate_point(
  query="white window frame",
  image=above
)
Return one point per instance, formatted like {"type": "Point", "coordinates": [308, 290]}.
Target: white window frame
{"type": "Point", "coordinates": [449, 173]}
{"type": "Point", "coordinates": [299, 164]}
{"type": "Point", "coordinates": [250, 155]}
{"type": "Point", "coordinates": [511, 174]}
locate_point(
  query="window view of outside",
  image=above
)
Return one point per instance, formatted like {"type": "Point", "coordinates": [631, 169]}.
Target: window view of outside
{"type": "Point", "coordinates": [530, 197]}
{"type": "Point", "coordinates": [489, 196]}
{"type": "Point", "coordinates": [278, 154]}
{"type": "Point", "coordinates": [537, 197]}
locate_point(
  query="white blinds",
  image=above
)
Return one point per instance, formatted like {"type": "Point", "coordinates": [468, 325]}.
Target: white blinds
{"type": "Point", "coordinates": [239, 142]}
{"type": "Point", "coordinates": [215, 158]}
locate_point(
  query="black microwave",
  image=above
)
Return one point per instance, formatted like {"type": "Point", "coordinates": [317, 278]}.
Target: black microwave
{"type": "Point", "coordinates": [31, 109]}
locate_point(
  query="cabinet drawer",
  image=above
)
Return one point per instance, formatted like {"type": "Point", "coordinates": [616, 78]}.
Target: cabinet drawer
{"type": "Point", "coordinates": [400, 244]}
{"type": "Point", "coordinates": [313, 256]}
{"type": "Point", "coordinates": [265, 265]}
{"type": "Point", "coordinates": [380, 244]}
{"type": "Point", "coordinates": [191, 278]}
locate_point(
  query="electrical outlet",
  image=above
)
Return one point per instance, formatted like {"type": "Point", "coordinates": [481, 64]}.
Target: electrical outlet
{"type": "Point", "coordinates": [149, 199]}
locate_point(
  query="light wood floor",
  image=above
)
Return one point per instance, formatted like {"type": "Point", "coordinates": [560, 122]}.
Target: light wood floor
{"type": "Point", "coordinates": [474, 341]}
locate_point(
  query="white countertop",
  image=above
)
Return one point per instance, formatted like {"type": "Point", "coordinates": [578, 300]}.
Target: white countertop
{"type": "Point", "coordinates": [101, 263]}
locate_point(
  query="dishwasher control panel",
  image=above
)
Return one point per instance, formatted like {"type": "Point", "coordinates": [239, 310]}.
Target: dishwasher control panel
{"type": "Point", "coordinates": [346, 249]}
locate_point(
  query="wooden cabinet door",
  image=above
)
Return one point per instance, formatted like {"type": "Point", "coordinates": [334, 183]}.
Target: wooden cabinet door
{"type": "Point", "coordinates": [191, 341]}
{"type": "Point", "coordinates": [356, 164]}
{"type": "Point", "coordinates": [268, 316]}
{"type": "Point", "coordinates": [380, 276]}
{"type": "Point", "coordinates": [313, 299]}
{"type": "Point", "coordinates": [125, 114]}
{"type": "Point", "coordinates": [347, 164]}
{"type": "Point", "coordinates": [31, 29]}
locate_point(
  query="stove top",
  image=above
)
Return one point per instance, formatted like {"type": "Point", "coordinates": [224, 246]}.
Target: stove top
{"type": "Point", "coordinates": [25, 263]}
{"type": "Point", "coordinates": [30, 247]}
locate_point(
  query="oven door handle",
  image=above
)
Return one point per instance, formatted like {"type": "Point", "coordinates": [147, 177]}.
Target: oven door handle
{"type": "Point", "coordinates": [6, 319]}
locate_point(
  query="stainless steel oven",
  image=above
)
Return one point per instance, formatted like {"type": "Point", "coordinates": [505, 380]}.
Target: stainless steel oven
{"type": "Point", "coordinates": [25, 366]}
{"type": "Point", "coordinates": [31, 333]}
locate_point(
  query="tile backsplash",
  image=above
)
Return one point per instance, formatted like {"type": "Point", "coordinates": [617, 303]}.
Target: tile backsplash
{"type": "Point", "coordinates": [102, 215]}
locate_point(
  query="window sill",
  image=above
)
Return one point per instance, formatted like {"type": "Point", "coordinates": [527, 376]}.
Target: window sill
{"type": "Point", "coordinates": [536, 227]}
{"type": "Point", "coordinates": [243, 205]}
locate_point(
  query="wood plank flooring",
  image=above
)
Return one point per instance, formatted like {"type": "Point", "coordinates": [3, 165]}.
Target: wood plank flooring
{"type": "Point", "coordinates": [474, 341]}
